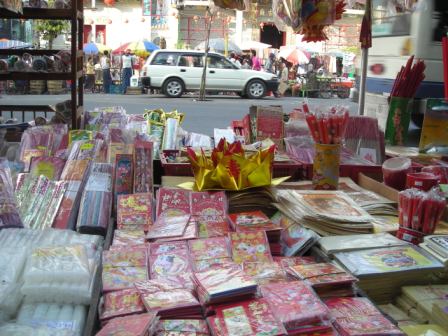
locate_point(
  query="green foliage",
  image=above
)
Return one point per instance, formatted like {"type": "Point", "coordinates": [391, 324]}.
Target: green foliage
{"type": "Point", "coordinates": [50, 29]}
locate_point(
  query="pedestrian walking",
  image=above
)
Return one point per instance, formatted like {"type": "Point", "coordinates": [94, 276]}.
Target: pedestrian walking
{"type": "Point", "coordinates": [90, 75]}
{"type": "Point", "coordinates": [256, 65]}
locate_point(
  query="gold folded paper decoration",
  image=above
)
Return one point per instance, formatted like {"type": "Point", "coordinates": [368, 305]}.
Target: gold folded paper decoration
{"type": "Point", "coordinates": [229, 168]}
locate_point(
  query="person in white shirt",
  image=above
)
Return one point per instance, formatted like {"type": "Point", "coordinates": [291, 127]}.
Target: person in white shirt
{"type": "Point", "coordinates": [105, 66]}
{"type": "Point", "coordinates": [127, 62]}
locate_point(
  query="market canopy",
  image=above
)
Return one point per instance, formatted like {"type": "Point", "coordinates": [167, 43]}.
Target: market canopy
{"type": "Point", "coordinates": [219, 45]}
{"type": "Point", "coordinates": [95, 48]}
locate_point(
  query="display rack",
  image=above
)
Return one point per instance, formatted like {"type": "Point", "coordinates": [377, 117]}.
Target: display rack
{"type": "Point", "coordinates": [76, 17]}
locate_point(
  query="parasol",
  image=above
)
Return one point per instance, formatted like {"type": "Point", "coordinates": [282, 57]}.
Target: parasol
{"type": "Point", "coordinates": [141, 47]}
{"type": "Point", "coordinates": [94, 48]}
{"type": "Point", "coordinates": [294, 55]}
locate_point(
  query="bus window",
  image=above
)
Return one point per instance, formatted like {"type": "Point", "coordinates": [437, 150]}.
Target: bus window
{"type": "Point", "coordinates": [390, 18]}
{"type": "Point", "coordinates": [440, 15]}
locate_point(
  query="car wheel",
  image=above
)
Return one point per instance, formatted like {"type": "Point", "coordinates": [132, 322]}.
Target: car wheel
{"type": "Point", "coordinates": [256, 89]}
{"type": "Point", "coordinates": [173, 88]}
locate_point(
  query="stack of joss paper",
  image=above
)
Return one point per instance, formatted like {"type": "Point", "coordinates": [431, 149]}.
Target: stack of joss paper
{"type": "Point", "coordinates": [326, 212]}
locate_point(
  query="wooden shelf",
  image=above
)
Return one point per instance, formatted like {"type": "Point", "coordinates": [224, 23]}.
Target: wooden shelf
{"type": "Point", "coordinates": [75, 15]}
{"type": "Point", "coordinates": [34, 52]}
{"type": "Point", "coordinates": [42, 13]}
{"type": "Point", "coordinates": [35, 76]}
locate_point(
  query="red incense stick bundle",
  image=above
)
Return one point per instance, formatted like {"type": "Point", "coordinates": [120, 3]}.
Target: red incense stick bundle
{"type": "Point", "coordinates": [328, 128]}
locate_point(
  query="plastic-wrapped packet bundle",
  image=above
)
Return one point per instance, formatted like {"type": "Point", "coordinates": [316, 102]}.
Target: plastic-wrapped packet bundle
{"type": "Point", "coordinates": [96, 201]}
{"type": "Point", "coordinates": [9, 329]}
{"type": "Point", "coordinates": [81, 155]}
{"type": "Point", "coordinates": [9, 215]}
{"type": "Point", "coordinates": [47, 238]}
{"type": "Point", "coordinates": [58, 274]}
{"type": "Point", "coordinates": [10, 299]}
{"type": "Point", "coordinates": [64, 319]}
{"type": "Point", "coordinates": [39, 200]}
{"type": "Point", "coordinates": [12, 262]}
{"type": "Point", "coordinates": [36, 141]}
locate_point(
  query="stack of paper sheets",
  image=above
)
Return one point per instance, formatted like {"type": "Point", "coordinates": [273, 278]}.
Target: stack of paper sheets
{"type": "Point", "coordinates": [383, 271]}
{"type": "Point", "coordinates": [326, 212]}
{"type": "Point", "coordinates": [335, 244]}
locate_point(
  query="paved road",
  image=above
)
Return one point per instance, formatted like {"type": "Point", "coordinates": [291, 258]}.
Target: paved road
{"type": "Point", "coordinates": [201, 117]}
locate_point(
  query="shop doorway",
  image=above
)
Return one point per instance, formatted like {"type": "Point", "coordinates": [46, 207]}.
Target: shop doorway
{"type": "Point", "coordinates": [100, 34]}
{"type": "Point", "coordinates": [87, 34]}
{"type": "Point", "coordinates": [271, 35]}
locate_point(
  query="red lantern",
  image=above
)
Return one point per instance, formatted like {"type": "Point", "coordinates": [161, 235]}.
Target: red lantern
{"type": "Point", "coordinates": [158, 17]}
{"type": "Point", "coordinates": [109, 2]}
{"type": "Point", "coordinates": [195, 18]}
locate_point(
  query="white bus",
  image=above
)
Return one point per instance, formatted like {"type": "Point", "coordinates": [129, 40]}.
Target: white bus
{"type": "Point", "coordinates": [401, 28]}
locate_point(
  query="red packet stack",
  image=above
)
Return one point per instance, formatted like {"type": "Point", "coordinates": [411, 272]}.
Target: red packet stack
{"type": "Point", "coordinates": [191, 232]}
{"type": "Point", "coordinates": [265, 272]}
{"type": "Point", "coordinates": [134, 212]}
{"type": "Point", "coordinates": [169, 227]}
{"type": "Point", "coordinates": [173, 202]}
{"type": "Point", "coordinates": [208, 204]}
{"type": "Point", "coordinates": [249, 318]}
{"type": "Point", "coordinates": [297, 306]}
{"type": "Point", "coordinates": [326, 279]}
{"type": "Point", "coordinates": [167, 247]}
{"type": "Point", "coordinates": [182, 327]}
{"type": "Point", "coordinates": [132, 325]}
{"type": "Point", "coordinates": [213, 227]}
{"type": "Point", "coordinates": [208, 253]}
{"type": "Point", "coordinates": [173, 262]}
{"type": "Point", "coordinates": [286, 262]}
{"type": "Point", "coordinates": [251, 246]}
{"type": "Point", "coordinates": [255, 221]}
{"type": "Point", "coordinates": [210, 211]}
{"type": "Point", "coordinates": [357, 316]}
{"type": "Point", "coordinates": [223, 285]}
{"type": "Point", "coordinates": [121, 303]}
{"type": "Point", "coordinates": [123, 267]}
{"type": "Point", "coordinates": [169, 299]}
{"type": "Point", "coordinates": [125, 238]}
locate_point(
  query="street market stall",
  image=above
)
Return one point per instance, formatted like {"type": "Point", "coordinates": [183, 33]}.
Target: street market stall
{"type": "Point", "coordinates": [284, 223]}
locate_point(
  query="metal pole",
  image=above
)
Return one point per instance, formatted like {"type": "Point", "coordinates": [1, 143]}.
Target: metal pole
{"type": "Point", "coordinates": [362, 84]}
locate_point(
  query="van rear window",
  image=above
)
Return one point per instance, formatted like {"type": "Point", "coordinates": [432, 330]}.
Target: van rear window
{"type": "Point", "coordinates": [165, 58]}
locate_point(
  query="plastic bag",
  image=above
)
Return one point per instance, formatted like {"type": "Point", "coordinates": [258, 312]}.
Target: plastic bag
{"type": "Point", "coordinates": [9, 215]}
{"type": "Point", "coordinates": [62, 263]}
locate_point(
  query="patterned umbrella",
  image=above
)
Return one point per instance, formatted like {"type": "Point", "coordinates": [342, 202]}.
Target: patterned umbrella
{"type": "Point", "coordinates": [94, 48]}
{"type": "Point", "coordinates": [140, 48]}
{"type": "Point", "coordinates": [13, 44]}
{"type": "Point", "coordinates": [294, 55]}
